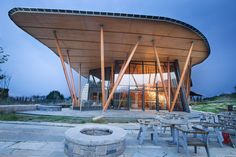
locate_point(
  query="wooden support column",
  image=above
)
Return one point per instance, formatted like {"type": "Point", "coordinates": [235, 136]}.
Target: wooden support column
{"type": "Point", "coordinates": [149, 79]}
{"type": "Point", "coordinates": [122, 67]}
{"type": "Point", "coordinates": [136, 84]}
{"type": "Point", "coordinates": [155, 84]}
{"type": "Point", "coordinates": [72, 80]}
{"type": "Point", "coordinates": [188, 82]}
{"type": "Point", "coordinates": [102, 67]}
{"type": "Point", "coordinates": [121, 75]}
{"type": "Point", "coordinates": [79, 87]}
{"type": "Point", "coordinates": [155, 77]}
{"type": "Point", "coordinates": [168, 76]}
{"type": "Point", "coordinates": [143, 90]}
{"type": "Point", "coordinates": [111, 78]}
{"type": "Point", "coordinates": [94, 80]}
{"type": "Point", "coordinates": [63, 63]}
{"type": "Point", "coordinates": [187, 87]}
{"type": "Point", "coordinates": [182, 77]}
{"type": "Point", "coordinates": [182, 91]}
{"type": "Point", "coordinates": [161, 74]}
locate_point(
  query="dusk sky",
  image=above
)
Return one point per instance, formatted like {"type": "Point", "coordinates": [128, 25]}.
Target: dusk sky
{"type": "Point", "coordinates": [36, 70]}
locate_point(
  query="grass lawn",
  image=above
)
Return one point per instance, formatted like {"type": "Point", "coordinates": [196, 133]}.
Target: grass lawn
{"type": "Point", "coordinates": [215, 104]}
{"type": "Point", "coordinates": [61, 119]}
{"type": "Point", "coordinates": [208, 107]}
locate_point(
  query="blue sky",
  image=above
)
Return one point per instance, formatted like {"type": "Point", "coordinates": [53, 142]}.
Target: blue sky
{"type": "Point", "coordinates": [35, 70]}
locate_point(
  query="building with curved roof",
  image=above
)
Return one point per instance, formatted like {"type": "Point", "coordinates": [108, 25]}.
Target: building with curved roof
{"type": "Point", "coordinates": [131, 61]}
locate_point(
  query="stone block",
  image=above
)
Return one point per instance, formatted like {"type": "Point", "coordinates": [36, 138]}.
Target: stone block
{"type": "Point", "coordinates": [111, 151]}
{"type": "Point", "coordinates": [77, 150]}
{"type": "Point", "coordinates": [101, 150]}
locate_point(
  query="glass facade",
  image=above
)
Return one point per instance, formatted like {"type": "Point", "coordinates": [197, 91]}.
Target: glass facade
{"type": "Point", "coordinates": [141, 87]}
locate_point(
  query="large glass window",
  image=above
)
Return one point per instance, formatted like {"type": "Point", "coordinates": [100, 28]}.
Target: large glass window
{"type": "Point", "coordinates": [140, 88]}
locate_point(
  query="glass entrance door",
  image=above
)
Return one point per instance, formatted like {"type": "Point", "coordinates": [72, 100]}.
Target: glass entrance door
{"type": "Point", "coordinates": [136, 85]}
{"type": "Point", "coordinates": [141, 87]}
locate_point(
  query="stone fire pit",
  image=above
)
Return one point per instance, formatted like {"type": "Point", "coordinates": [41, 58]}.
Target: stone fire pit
{"type": "Point", "coordinates": [94, 140]}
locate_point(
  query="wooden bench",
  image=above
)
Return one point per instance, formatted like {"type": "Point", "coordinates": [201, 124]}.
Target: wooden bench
{"type": "Point", "coordinates": [184, 140]}
{"type": "Point", "coordinates": [213, 129]}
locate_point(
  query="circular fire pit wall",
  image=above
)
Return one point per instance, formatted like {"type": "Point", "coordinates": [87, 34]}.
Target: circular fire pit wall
{"type": "Point", "coordinates": [94, 140]}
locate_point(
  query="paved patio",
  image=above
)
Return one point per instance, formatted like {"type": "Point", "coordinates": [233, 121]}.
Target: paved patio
{"type": "Point", "coordinates": [108, 114]}
{"type": "Point", "coordinates": [26, 139]}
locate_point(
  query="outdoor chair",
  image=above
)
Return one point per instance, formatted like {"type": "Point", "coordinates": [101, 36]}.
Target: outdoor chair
{"type": "Point", "coordinates": [190, 137]}
{"type": "Point", "coordinates": [148, 127]}
{"type": "Point", "coordinates": [228, 122]}
{"type": "Point", "coordinates": [209, 123]}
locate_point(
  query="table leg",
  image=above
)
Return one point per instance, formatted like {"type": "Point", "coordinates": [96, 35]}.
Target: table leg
{"type": "Point", "coordinates": [155, 134]}
{"type": "Point", "coordinates": [173, 133]}
{"type": "Point", "coordinates": [219, 136]}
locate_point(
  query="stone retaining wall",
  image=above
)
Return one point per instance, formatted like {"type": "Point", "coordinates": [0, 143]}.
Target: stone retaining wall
{"type": "Point", "coordinates": [16, 108]}
{"type": "Point", "coordinates": [49, 108]}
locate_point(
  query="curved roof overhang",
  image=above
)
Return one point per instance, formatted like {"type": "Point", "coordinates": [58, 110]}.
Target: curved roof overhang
{"type": "Point", "coordinates": [79, 33]}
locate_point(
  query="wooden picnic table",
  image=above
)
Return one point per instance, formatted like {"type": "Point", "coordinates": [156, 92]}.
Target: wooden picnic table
{"type": "Point", "coordinates": [208, 124]}
{"type": "Point", "coordinates": [148, 125]}
{"type": "Point", "coordinates": [211, 127]}
{"type": "Point", "coordinates": [172, 123]}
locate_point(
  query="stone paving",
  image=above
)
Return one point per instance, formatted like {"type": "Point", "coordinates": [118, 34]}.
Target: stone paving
{"type": "Point", "coordinates": [108, 114]}
{"type": "Point", "coordinates": [46, 140]}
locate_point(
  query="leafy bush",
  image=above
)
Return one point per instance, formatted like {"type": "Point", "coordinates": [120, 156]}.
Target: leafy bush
{"type": "Point", "coordinates": [55, 96]}
{"type": "Point", "coordinates": [4, 93]}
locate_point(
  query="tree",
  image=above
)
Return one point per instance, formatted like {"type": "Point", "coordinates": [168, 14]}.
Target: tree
{"type": "Point", "coordinates": [3, 59]}
{"type": "Point", "coordinates": [4, 79]}
{"type": "Point", "coordinates": [55, 96]}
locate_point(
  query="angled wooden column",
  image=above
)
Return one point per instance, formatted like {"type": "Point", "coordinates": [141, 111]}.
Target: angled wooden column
{"type": "Point", "coordinates": [121, 75]}
{"type": "Point", "coordinates": [155, 84]}
{"type": "Point", "coordinates": [102, 67]}
{"type": "Point", "coordinates": [161, 74]}
{"type": "Point", "coordinates": [136, 84]}
{"type": "Point", "coordinates": [132, 74]}
{"type": "Point", "coordinates": [182, 91]}
{"type": "Point", "coordinates": [112, 76]}
{"type": "Point", "coordinates": [182, 77]}
{"type": "Point", "coordinates": [169, 77]}
{"type": "Point", "coordinates": [188, 83]}
{"type": "Point", "coordinates": [154, 80]}
{"type": "Point", "coordinates": [122, 67]}
{"type": "Point", "coordinates": [79, 87]}
{"type": "Point", "coordinates": [149, 78]}
{"type": "Point", "coordinates": [72, 80]}
{"type": "Point", "coordinates": [63, 63]}
{"type": "Point", "coordinates": [94, 80]}
{"type": "Point", "coordinates": [187, 89]}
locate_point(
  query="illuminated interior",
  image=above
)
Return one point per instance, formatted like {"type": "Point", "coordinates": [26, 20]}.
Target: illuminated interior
{"type": "Point", "coordinates": [140, 88]}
